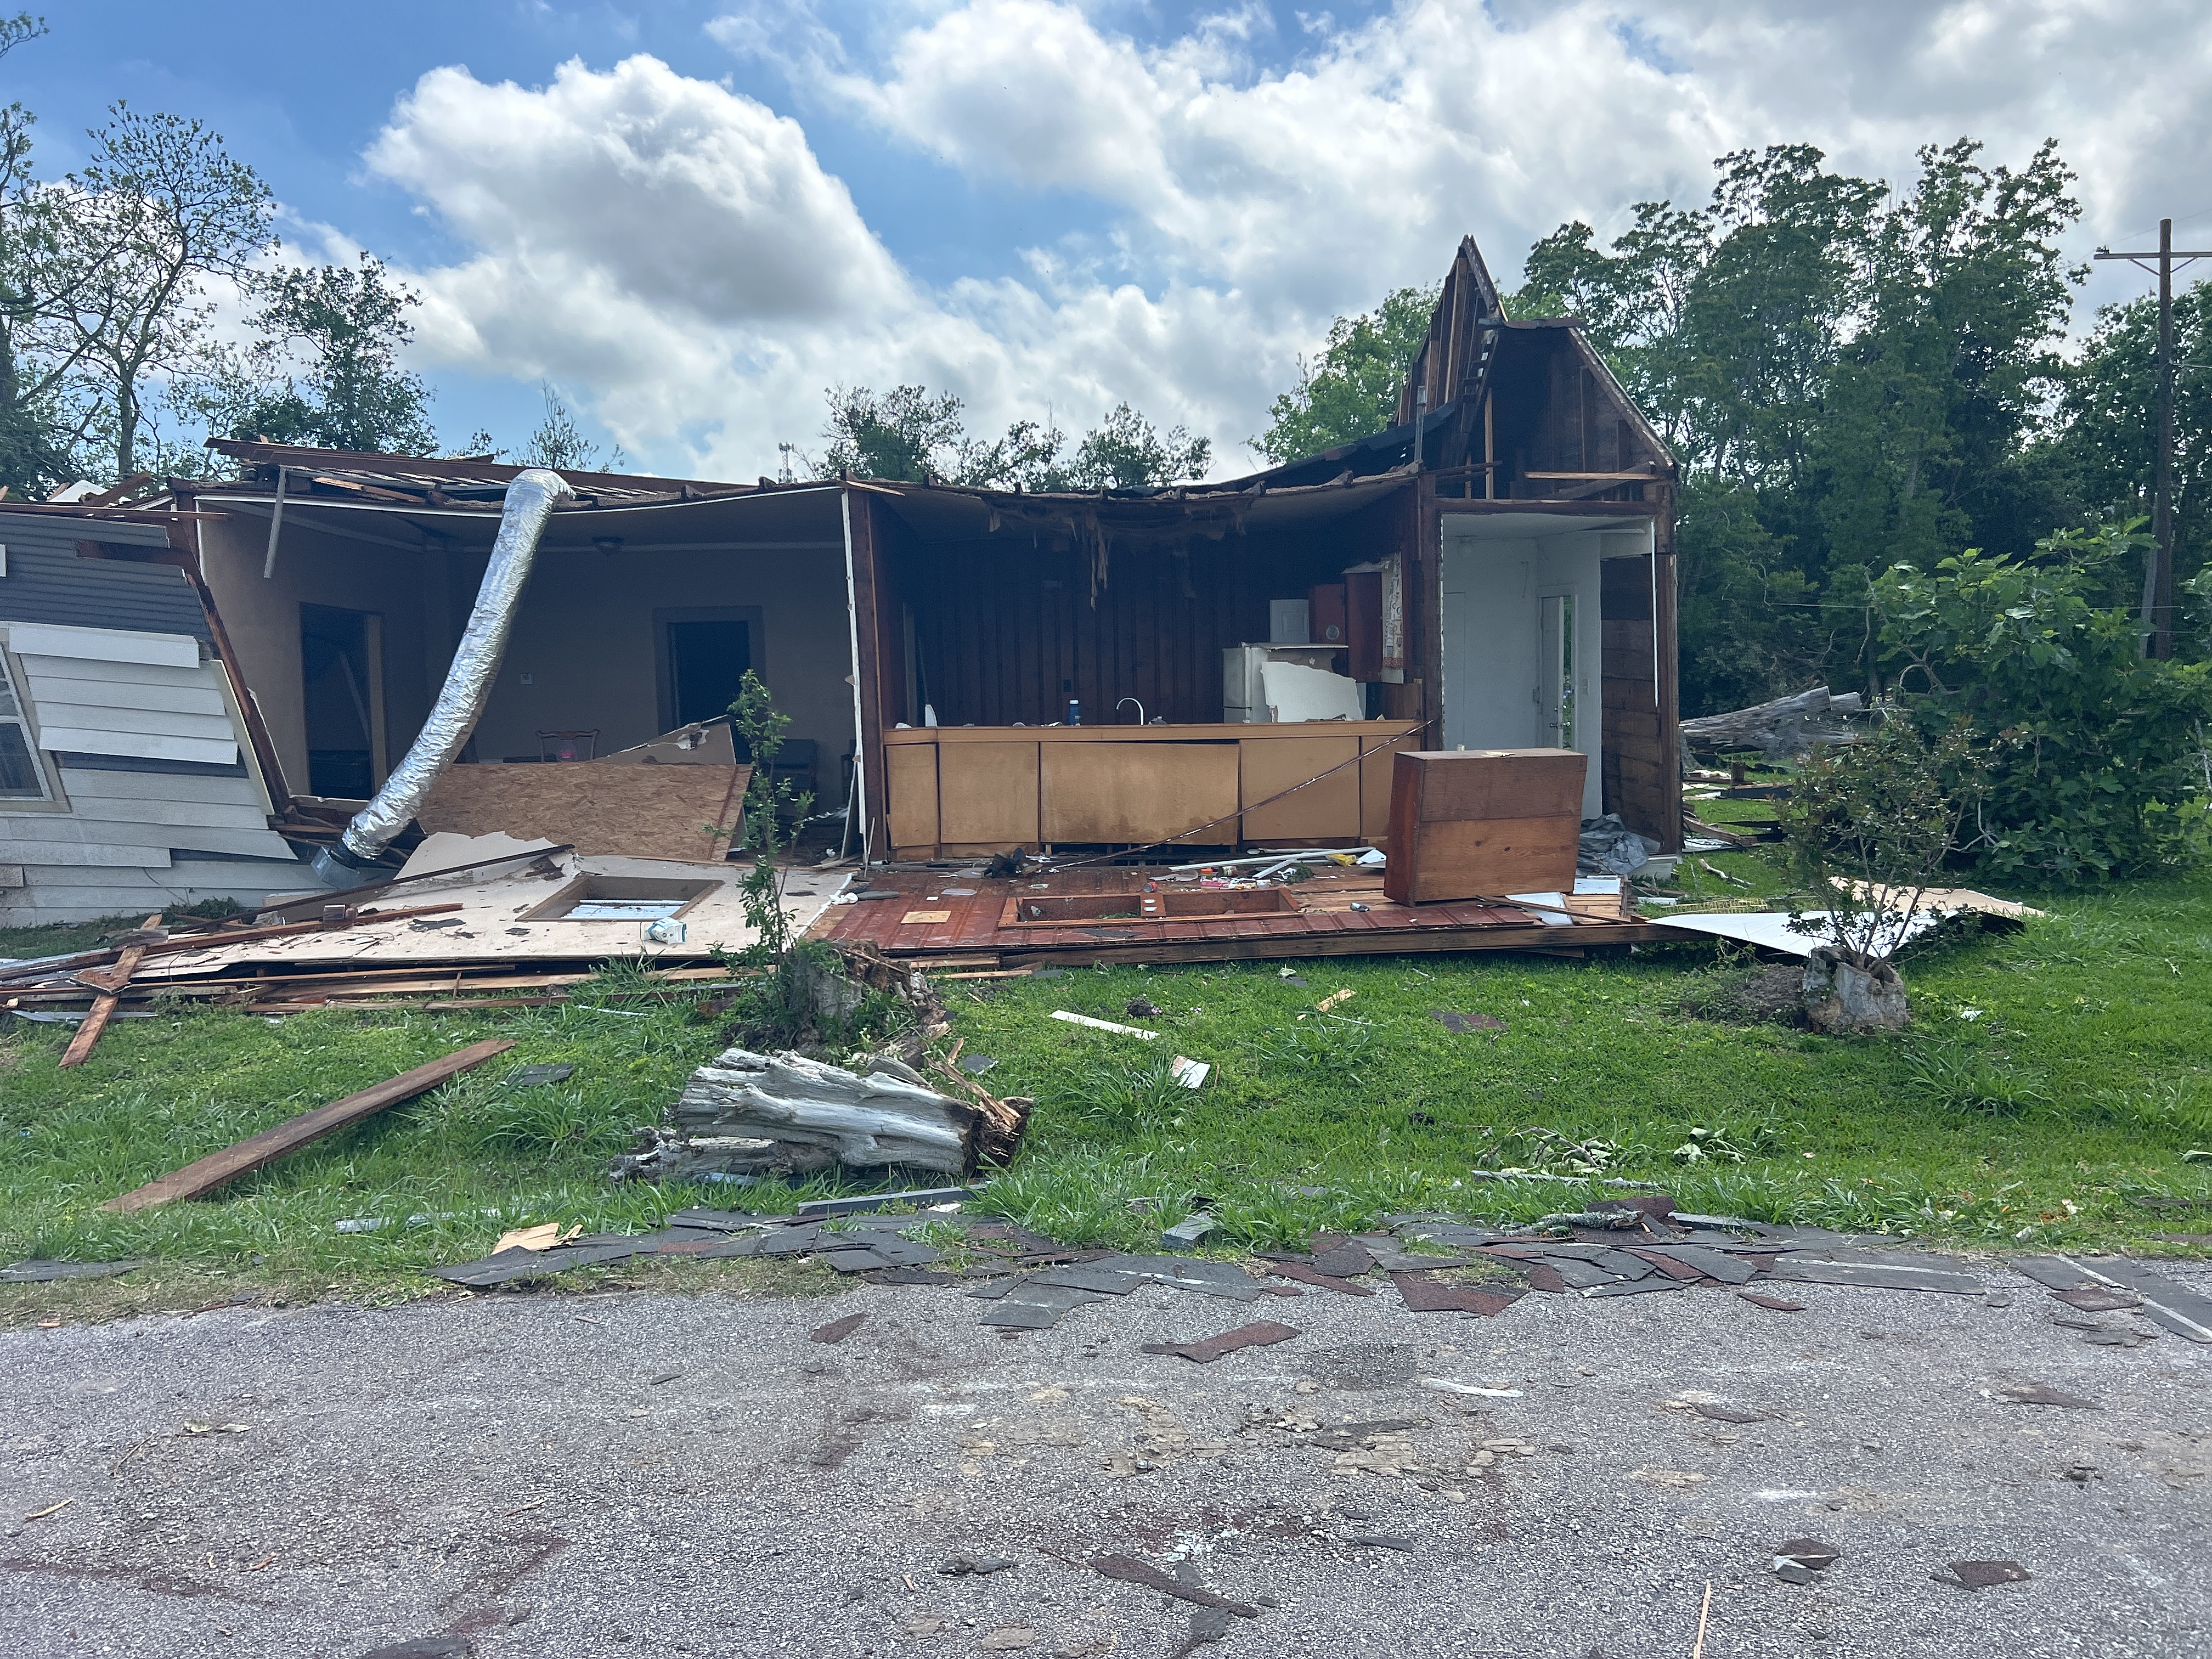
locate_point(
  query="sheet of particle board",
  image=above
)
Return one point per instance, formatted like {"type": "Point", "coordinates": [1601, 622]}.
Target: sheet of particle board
{"type": "Point", "coordinates": [910, 775]}
{"type": "Point", "coordinates": [633, 811]}
{"type": "Point", "coordinates": [1131, 792]}
{"type": "Point", "coordinates": [1329, 809]}
{"type": "Point", "coordinates": [987, 794]}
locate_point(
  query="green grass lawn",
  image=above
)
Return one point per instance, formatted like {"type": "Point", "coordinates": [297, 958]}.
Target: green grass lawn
{"type": "Point", "coordinates": [2055, 1079]}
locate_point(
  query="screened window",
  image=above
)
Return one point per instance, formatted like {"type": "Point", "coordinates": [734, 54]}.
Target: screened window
{"type": "Point", "coordinates": [21, 777]}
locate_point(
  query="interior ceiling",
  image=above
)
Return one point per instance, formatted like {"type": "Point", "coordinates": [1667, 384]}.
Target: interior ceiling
{"type": "Point", "coordinates": [1529, 527]}
{"type": "Point", "coordinates": [965, 515]}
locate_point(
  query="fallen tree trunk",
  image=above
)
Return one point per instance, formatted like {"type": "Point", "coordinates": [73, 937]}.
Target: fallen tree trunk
{"type": "Point", "coordinates": [746, 1113]}
{"type": "Point", "coordinates": [1788, 725]}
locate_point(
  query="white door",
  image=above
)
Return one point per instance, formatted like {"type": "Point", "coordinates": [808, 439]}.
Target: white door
{"type": "Point", "coordinates": [1555, 658]}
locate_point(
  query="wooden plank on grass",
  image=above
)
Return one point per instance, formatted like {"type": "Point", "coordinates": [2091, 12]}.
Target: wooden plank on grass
{"type": "Point", "coordinates": [110, 987]}
{"type": "Point", "coordinates": [254, 1151]}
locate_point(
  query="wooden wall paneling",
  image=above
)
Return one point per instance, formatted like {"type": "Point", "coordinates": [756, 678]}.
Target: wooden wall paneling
{"type": "Point", "coordinates": [910, 777]}
{"type": "Point", "coordinates": [1669, 806]}
{"type": "Point", "coordinates": [1328, 810]}
{"type": "Point", "coordinates": [1132, 793]}
{"type": "Point", "coordinates": [986, 794]}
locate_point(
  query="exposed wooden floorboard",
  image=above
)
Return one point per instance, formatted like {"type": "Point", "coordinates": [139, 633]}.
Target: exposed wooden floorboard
{"type": "Point", "coordinates": [1322, 924]}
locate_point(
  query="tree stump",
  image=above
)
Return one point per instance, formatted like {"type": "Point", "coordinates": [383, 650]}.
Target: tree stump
{"type": "Point", "coordinates": [1842, 996]}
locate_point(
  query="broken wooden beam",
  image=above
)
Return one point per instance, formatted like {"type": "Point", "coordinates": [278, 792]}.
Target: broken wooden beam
{"type": "Point", "coordinates": [110, 987]}
{"type": "Point", "coordinates": [256, 1151]}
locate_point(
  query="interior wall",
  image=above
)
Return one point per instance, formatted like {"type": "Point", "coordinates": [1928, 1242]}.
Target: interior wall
{"type": "Point", "coordinates": [1493, 589]}
{"type": "Point", "coordinates": [262, 619]}
{"type": "Point", "coordinates": [1004, 625]}
{"type": "Point", "coordinates": [586, 643]}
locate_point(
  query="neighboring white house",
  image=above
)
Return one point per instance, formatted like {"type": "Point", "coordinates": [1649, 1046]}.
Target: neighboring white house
{"type": "Point", "coordinates": [127, 785]}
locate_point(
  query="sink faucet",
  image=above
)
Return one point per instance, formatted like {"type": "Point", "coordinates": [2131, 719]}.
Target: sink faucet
{"type": "Point", "coordinates": [1140, 708]}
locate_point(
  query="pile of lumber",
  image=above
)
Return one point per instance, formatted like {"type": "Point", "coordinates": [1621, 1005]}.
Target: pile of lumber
{"type": "Point", "coordinates": [128, 975]}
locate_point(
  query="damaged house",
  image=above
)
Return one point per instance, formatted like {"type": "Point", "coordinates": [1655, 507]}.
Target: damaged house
{"type": "Point", "coordinates": [1188, 672]}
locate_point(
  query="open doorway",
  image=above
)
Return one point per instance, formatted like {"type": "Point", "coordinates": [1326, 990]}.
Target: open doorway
{"type": "Point", "coordinates": [342, 700]}
{"type": "Point", "coordinates": [1555, 697]}
{"type": "Point", "coordinates": [704, 656]}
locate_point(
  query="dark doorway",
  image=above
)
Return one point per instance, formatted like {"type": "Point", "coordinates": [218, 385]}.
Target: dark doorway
{"type": "Point", "coordinates": [341, 699]}
{"type": "Point", "coordinates": [706, 664]}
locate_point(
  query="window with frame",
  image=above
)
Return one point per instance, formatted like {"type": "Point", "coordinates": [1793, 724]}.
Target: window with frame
{"type": "Point", "coordinates": [21, 777]}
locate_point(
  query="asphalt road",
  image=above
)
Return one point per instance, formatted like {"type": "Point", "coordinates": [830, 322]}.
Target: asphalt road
{"type": "Point", "coordinates": [626, 1474]}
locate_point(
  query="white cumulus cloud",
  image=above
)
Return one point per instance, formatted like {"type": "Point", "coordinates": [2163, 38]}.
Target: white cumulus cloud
{"type": "Point", "coordinates": [676, 251]}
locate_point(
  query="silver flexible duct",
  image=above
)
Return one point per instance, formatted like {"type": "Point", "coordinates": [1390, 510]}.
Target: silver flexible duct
{"type": "Point", "coordinates": [530, 499]}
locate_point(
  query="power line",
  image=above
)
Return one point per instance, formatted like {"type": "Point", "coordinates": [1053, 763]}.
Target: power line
{"type": "Point", "coordinates": [2158, 571]}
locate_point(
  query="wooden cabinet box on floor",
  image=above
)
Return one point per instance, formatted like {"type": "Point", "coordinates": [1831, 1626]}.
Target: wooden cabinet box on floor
{"type": "Point", "coordinates": [1478, 822]}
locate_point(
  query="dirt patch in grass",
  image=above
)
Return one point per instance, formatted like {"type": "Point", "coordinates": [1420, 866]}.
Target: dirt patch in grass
{"type": "Point", "coordinates": [1770, 994]}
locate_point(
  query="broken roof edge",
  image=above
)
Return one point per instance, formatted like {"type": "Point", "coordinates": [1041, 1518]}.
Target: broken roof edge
{"type": "Point", "coordinates": [302, 456]}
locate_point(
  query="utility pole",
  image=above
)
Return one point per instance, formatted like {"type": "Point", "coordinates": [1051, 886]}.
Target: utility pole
{"type": "Point", "coordinates": [2158, 574]}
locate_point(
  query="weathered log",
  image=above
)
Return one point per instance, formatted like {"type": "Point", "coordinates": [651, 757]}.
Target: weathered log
{"type": "Point", "coordinates": [1788, 725]}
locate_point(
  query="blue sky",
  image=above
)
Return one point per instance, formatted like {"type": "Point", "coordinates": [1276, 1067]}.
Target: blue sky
{"type": "Point", "coordinates": [722, 207]}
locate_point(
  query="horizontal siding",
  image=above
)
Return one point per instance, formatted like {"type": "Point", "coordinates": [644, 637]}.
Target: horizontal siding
{"type": "Point", "coordinates": [198, 750]}
{"type": "Point", "coordinates": [56, 848]}
{"type": "Point", "coordinates": [185, 697]}
{"type": "Point", "coordinates": [105, 645]}
{"type": "Point", "coordinates": [52, 893]}
{"type": "Point", "coordinates": [54, 715]}
{"type": "Point", "coordinates": [47, 583]}
{"type": "Point", "coordinates": [205, 815]}
{"type": "Point", "coordinates": [107, 673]}
{"type": "Point", "coordinates": [83, 784]}
{"type": "Point", "coordinates": [74, 761]}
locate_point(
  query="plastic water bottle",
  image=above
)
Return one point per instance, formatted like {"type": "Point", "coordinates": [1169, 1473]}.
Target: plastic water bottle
{"type": "Point", "coordinates": [1074, 703]}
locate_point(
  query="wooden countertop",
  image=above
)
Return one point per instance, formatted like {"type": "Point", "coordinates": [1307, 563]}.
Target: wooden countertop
{"type": "Point", "coordinates": [1221, 733]}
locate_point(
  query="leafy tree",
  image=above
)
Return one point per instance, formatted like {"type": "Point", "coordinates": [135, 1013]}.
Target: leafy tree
{"type": "Point", "coordinates": [1126, 452]}
{"type": "Point", "coordinates": [348, 324]}
{"type": "Point", "coordinates": [559, 444]}
{"type": "Point", "coordinates": [2098, 458]}
{"type": "Point", "coordinates": [33, 456]}
{"type": "Point", "coordinates": [1351, 392]}
{"type": "Point", "coordinates": [161, 207]}
{"type": "Point", "coordinates": [2094, 754]}
{"type": "Point", "coordinates": [906, 434]}
{"type": "Point", "coordinates": [1848, 376]}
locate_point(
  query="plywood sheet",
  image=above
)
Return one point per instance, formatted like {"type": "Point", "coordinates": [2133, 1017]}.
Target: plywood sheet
{"type": "Point", "coordinates": [1478, 858]}
{"type": "Point", "coordinates": [1328, 810]}
{"type": "Point", "coordinates": [987, 794]}
{"type": "Point", "coordinates": [1130, 792]}
{"type": "Point", "coordinates": [911, 772]}
{"type": "Point", "coordinates": [633, 811]}
{"type": "Point", "coordinates": [1495, 783]}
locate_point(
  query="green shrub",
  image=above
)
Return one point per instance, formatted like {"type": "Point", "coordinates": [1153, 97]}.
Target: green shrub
{"type": "Point", "coordinates": [2094, 753]}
